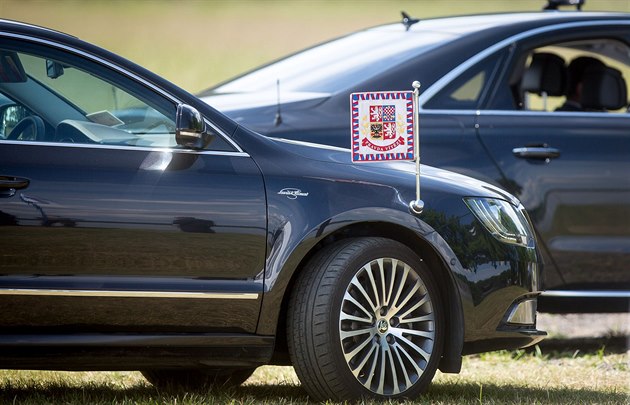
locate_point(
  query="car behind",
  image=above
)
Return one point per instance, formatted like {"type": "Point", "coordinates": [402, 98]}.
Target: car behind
{"type": "Point", "coordinates": [493, 88]}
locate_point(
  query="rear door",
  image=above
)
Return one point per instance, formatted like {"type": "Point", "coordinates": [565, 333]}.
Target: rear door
{"type": "Point", "coordinates": [106, 225]}
{"type": "Point", "coordinates": [572, 172]}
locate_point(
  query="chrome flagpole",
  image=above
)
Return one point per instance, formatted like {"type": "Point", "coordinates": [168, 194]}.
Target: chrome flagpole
{"type": "Point", "coordinates": [416, 205]}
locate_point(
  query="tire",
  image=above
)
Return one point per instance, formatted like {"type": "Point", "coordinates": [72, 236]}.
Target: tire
{"type": "Point", "coordinates": [343, 346]}
{"type": "Point", "coordinates": [197, 379]}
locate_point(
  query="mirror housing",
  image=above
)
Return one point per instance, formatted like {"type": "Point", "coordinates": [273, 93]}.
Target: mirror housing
{"type": "Point", "coordinates": [191, 129]}
{"type": "Point", "coordinates": [53, 69]}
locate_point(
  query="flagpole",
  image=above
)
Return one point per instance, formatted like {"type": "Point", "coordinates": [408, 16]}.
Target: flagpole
{"type": "Point", "coordinates": [416, 205]}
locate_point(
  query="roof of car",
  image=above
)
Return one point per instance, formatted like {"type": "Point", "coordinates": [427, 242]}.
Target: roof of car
{"type": "Point", "coordinates": [469, 23]}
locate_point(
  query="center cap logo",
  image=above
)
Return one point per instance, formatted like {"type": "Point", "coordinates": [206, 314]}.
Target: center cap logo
{"type": "Point", "coordinates": [382, 326]}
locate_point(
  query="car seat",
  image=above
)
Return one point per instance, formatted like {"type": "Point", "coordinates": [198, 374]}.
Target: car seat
{"type": "Point", "coordinates": [603, 88]}
{"type": "Point", "coordinates": [545, 76]}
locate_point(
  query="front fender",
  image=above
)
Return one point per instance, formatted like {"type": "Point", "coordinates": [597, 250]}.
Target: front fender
{"type": "Point", "coordinates": [290, 249]}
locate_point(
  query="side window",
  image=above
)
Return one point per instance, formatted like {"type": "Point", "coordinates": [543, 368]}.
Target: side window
{"type": "Point", "coordinates": [61, 98]}
{"type": "Point", "coordinates": [47, 95]}
{"type": "Point", "coordinates": [466, 92]}
{"type": "Point", "coordinates": [577, 76]}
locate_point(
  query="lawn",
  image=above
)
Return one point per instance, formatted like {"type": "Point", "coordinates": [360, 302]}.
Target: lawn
{"type": "Point", "coordinates": [517, 377]}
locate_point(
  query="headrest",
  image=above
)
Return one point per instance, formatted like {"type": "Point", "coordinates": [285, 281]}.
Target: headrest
{"type": "Point", "coordinates": [546, 73]}
{"type": "Point", "coordinates": [603, 88]}
{"type": "Point", "coordinates": [575, 72]}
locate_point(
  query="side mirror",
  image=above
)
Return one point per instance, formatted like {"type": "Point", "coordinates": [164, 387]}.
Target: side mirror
{"type": "Point", "coordinates": [191, 129]}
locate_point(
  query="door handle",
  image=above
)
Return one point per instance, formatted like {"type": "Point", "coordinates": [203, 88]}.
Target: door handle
{"type": "Point", "coordinates": [9, 184]}
{"type": "Point", "coordinates": [536, 152]}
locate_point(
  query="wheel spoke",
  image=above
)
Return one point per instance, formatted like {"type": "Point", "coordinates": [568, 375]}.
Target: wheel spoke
{"type": "Point", "coordinates": [359, 287]}
{"type": "Point", "coordinates": [351, 299]}
{"type": "Point", "coordinates": [368, 382]}
{"type": "Point", "coordinates": [381, 269]}
{"type": "Point", "coordinates": [400, 349]}
{"type": "Point", "coordinates": [390, 290]}
{"type": "Point", "coordinates": [395, 386]}
{"type": "Point", "coordinates": [400, 286]}
{"type": "Point", "coordinates": [423, 318]}
{"type": "Point", "coordinates": [396, 350]}
{"type": "Point", "coordinates": [407, 297]}
{"type": "Point", "coordinates": [348, 317]}
{"type": "Point", "coordinates": [377, 295]}
{"type": "Point", "coordinates": [420, 303]}
{"type": "Point", "coordinates": [352, 333]}
{"type": "Point", "coordinates": [357, 349]}
{"type": "Point", "coordinates": [421, 333]}
{"type": "Point", "coordinates": [381, 379]}
{"type": "Point", "coordinates": [412, 345]}
{"type": "Point", "coordinates": [369, 354]}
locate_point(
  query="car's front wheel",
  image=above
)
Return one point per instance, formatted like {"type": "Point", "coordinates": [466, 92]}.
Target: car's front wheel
{"type": "Point", "coordinates": [365, 320]}
{"type": "Point", "coordinates": [197, 379]}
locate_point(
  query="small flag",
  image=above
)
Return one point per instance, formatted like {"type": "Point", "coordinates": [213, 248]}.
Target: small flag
{"type": "Point", "coordinates": [382, 126]}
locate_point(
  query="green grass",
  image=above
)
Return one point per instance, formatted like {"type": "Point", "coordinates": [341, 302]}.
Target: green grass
{"type": "Point", "coordinates": [196, 44]}
{"type": "Point", "coordinates": [517, 377]}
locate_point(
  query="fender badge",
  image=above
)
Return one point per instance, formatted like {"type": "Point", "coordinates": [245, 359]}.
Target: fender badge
{"type": "Point", "coordinates": [292, 193]}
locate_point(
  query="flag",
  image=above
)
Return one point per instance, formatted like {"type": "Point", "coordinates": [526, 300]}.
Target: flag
{"type": "Point", "coordinates": [382, 126]}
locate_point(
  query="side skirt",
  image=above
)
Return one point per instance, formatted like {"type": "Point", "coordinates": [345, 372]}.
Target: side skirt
{"type": "Point", "coordinates": [119, 352]}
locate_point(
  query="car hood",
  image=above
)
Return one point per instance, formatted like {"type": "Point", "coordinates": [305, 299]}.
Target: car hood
{"type": "Point", "coordinates": [430, 176]}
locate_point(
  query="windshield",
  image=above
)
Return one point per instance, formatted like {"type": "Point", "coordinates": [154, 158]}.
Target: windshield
{"type": "Point", "coordinates": [338, 64]}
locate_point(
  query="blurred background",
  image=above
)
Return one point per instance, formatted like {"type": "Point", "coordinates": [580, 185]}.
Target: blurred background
{"type": "Point", "coordinates": [199, 43]}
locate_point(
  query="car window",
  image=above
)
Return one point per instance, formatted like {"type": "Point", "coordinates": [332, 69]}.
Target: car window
{"type": "Point", "coordinates": [57, 99]}
{"type": "Point", "coordinates": [465, 92]}
{"type": "Point", "coordinates": [577, 76]}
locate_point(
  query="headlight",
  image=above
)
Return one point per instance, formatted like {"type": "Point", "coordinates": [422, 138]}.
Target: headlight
{"type": "Point", "coordinates": [504, 221]}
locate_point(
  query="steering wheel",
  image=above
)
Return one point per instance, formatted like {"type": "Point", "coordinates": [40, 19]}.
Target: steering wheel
{"type": "Point", "coordinates": [38, 128]}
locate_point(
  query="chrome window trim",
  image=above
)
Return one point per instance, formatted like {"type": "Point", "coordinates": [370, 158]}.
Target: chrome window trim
{"type": "Point", "coordinates": [453, 74]}
{"type": "Point", "coordinates": [585, 114]}
{"type": "Point", "coordinates": [130, 148]}
{"type": "Point", "coordinates": [586, 294]}
{"type": "Point", "coordinates": [129, 294]}
{"type": "Point", "coordinates": [121, 70]}
{"type": "Point", "coordinates": [535, 113]}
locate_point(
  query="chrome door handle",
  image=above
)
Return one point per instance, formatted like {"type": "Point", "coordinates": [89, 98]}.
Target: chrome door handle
{"type": "Point", "coordinates": [536, 152]}
{"type": "Point", "coordinates": [8, 185]}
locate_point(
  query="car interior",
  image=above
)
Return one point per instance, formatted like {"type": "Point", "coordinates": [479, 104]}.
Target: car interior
{"type": "Point", "coordinates": [545, 79]}
{"type": "Point", "coordinates": [45, 101]}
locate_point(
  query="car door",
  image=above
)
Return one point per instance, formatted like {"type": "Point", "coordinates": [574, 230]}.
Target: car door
{"type": "Point", "coordinates": [108, 226]}
{"type": "Point", "coordinates": [570, 169]}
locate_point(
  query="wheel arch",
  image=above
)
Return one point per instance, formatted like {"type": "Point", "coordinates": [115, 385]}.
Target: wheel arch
{"type": "Point", "coordinates": [450, 295]}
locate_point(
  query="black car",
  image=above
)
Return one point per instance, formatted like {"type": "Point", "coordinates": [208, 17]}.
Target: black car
{"type": "Point", "coordinates": [491, 85]}
{"type": "Point", "coordinates": [144, 230]}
